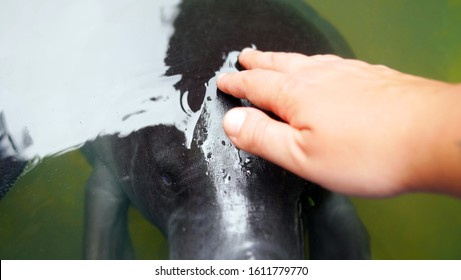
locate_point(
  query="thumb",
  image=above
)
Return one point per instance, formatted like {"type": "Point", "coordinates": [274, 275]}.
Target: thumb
{"type": "Point", "coordinates": [255, 132]}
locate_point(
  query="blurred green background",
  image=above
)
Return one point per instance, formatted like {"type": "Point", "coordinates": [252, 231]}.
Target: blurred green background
{"type": "Point", "coordinates": [42, 217]}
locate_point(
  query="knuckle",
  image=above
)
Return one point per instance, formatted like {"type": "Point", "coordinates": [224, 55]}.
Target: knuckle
{"type": "Point", "coordinates": [383, 68]}
{"type": "Point", "coordinates": [257, 135]}
{"type": "Point", "coordinates": [247, 79]}
{"type": "Point", "coordinates": [331, 57]}
{"type": "Point", "coordinates": [272, 57]}
{"type": "Point", "coordinates": [286, 86]}
{"type": "Point", "coordinates": [286, 92]}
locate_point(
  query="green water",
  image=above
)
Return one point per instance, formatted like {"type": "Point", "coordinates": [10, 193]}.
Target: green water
{"type": "Point", "coordinates": [42, 217]}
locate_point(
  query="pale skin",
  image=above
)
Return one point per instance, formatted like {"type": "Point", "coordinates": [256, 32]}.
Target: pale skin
{"type": "Point", "coordinates": [352, 127]}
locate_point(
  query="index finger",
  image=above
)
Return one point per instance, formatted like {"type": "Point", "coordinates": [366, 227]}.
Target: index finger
{"type": "Point", "coordinates": [263, 88]}
{"type": "Point", "coordinates": [276, 61]}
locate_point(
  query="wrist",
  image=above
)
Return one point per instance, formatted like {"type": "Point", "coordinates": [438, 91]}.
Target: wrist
{"type": "Point", "coordinates": [436, 164]}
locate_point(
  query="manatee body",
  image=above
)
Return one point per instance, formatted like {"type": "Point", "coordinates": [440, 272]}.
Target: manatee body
{"type": "Point", "coordinates": [209, 199]}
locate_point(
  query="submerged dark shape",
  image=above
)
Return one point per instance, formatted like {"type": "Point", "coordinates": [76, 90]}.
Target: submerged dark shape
{"type": "Point", "coordinates": [211, 200]}
{"type": "Point", "coordinates": [11, 165]}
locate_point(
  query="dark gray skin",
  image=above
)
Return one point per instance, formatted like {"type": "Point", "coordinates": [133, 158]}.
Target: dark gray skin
{"type": "Point", "coordinates": [212, 201]}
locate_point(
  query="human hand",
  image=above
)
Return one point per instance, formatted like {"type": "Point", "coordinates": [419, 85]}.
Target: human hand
{"type": "Point", "coordinates": [352, 127]}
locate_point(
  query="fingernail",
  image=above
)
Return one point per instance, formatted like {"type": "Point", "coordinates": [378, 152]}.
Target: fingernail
{"type": "Point", "coordinates": [233, 121]}
{"type": "Point", "coordinates": [245, 50]}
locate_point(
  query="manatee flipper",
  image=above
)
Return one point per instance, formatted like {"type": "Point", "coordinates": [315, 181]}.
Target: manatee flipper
{"type": "Point", "coordinates": [106, 223]}
{"type": "Point", "coordinates": [335, 230]}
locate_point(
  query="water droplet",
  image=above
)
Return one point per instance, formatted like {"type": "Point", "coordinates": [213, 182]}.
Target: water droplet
{"type": "Point", "coordinates": [227, 178]}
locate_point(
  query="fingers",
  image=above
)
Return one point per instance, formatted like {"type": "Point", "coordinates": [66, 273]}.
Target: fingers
{"type": "Point", "coordinates": [253, 131]}
{"type": "Point", "coordinates": [263, 88]}
{"type": "Point", "coordinates": [281, 61]}
{"type": "Point", "coordinates": [251, 83]}
{"type": "Point", "coordinates": [276, 61]}
{"type": "Point", "coordinates": [268, 83]}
